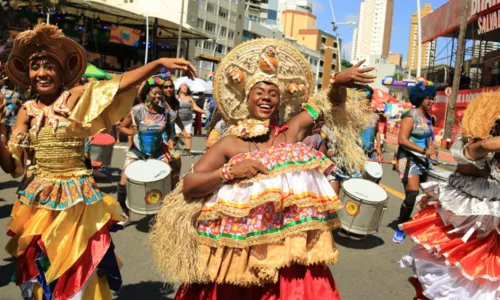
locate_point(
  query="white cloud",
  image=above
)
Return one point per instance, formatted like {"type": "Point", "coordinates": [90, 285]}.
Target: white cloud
{"type": "Point", "coordinates": [318, 6]}
{"type": "Point", "coordinates": [346, 50]}
{"type": "Point", "coordinates": [351, 18]}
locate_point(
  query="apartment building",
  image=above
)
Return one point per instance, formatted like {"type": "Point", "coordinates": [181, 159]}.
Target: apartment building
{"type": "Point", "coordinates": [413, 41]}
{"type": "Point", "coordinates": [373, 36]}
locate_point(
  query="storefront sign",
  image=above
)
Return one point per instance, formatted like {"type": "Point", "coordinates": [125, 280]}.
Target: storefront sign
{"type": "Point", "coordinates": [465, 96]}
{"type": "Point", "coordinates": [389, 80]}
{"type": "Point", "coordinates": [488, 13]}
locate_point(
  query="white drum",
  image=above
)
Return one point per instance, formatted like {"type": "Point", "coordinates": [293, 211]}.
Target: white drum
{"type": "Point", "coordinates": [373, 171]}
{"type": "Point", "coordinates": [364, 203]}
{"type": "Point", "coordinates": [439, 175]}
{"type": "Point", "coordinates": [148, 181]}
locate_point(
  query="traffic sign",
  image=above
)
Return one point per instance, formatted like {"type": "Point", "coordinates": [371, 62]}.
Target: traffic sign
{"type": "Point", "coordinates": [447, 91]}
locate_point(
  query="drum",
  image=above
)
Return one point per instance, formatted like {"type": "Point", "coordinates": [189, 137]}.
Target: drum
{"type": "Point", "coordinates": [373, 171]}
{"type": "Point", "coordinates": [439, 175]}
{"type": "Point", "coordinates": [148, 181]}
{"type": "Point", "coordinates": [364, 206]}
{"type": "Point", "coordinates": [101, 148]}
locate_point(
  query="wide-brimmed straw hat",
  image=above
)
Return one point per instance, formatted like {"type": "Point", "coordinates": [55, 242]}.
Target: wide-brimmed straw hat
{"type": "Point", "coordinates": [46, 41]}
{"type": "Point", "coordinates": [262, 60]}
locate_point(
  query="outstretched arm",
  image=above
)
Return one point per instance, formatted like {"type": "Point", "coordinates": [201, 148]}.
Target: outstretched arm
{"type": "Point", "coordinates": [354, 77]}
{"type": "Point", "coordinates": [482, 148]}
{"type": "Point", "coordinates": [133, 78]}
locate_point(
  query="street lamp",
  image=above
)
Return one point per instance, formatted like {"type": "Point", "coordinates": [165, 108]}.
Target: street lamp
{"type": "Point", "coordinates": [419, 40]}
{"type": "Point", "coordinates": [334, 24]}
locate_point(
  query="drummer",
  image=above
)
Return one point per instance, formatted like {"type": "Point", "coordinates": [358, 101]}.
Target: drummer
{"type": "Point", "coordinates": [146, 124]}
{"type": "Point", "coordinates": [370, 139]}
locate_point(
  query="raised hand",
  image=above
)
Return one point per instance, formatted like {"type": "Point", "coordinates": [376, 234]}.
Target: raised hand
{"type": "Point", "coordinates": [180, 64]}
{"type": "Point", "coordinates": [354, 77]}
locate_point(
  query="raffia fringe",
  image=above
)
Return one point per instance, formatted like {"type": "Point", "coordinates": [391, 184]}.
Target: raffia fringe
{"type": "Point", "coordinates": [174, 239]}
{"type": "Point", "coordinates": [345, 123]}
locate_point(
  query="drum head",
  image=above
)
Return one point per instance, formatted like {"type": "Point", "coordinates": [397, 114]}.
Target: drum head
{"type": "Point", "coordinates": [374, 169]}
{"type": "Point", "coordinates": [440, 174]}
{"type": "Point", "coordinates": [102, 139]}
{"type": "Point", "coordinates": [147, 170]}
{"type": "Point", "coordinates": [364, 190]}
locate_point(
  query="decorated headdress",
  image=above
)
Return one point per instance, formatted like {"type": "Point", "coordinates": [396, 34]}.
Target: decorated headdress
{"type": "Point", "coordinates": [424, 88]}
{"type": "Point", "coordinates": [481, 115]}
{"type": "Point", "coordinates": [46, 41]}
{"type": "Point", "coordinates": [155, 80]}
{"type": "Point", "coordinates": [262, 60]}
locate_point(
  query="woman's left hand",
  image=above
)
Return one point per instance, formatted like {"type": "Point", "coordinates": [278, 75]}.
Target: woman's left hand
{"type": "Point", "coordinates": [354, 77]}
{"type": "Point", "coordinates": [170, 144]}
{"type": "Point", "coordinates": [180, 64]}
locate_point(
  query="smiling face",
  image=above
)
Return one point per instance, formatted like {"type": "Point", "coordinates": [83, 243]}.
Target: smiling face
{"type": "Point", "coordinates": [427, 103]}
{"type": "Point", "coordinates": [263, 101]}
{"type": "Point", "coordinates": [155, 94]}
{"type": "Point", "coordinates": [184, 88]}
{"type": "Point", "coordinates": [168, 88]}
{"type": "Point", "coordinates": [45, 75]}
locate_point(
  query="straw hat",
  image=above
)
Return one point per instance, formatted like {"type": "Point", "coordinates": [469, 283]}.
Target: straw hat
{"type": "Point", "coordinates": [481, 115]}
{"type": "Point", "coordinates": [259, 60]}
{"type": "Point", "coordinates": [46, 41]}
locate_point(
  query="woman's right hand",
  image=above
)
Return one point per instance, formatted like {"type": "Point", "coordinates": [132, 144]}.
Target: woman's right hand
{"type": "Point", "coordinates": [354, 77]}
{"type": "Point", "coordinates": [180, 64]}
{"type": "Point", "coordinates": [431, 151]}
{"type": "Point", "coordinates": [248, 169]}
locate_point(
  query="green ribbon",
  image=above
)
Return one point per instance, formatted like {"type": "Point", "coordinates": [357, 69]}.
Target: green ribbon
{"type": "Point", "coordinates": [311, 111]}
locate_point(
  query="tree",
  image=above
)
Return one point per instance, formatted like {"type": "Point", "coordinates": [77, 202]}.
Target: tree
{"type": "Point", "coordinates": [345, 64]}
{"type": "Point", "coordinates": [398, 76]}
{"type": "Point", "coordinates": [450, 110]}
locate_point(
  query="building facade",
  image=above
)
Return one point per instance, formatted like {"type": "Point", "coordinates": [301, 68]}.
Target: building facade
{"type": "Point", "coordinates": [300, 26]}
{"type": "Point", "coordinates": [396, 59]}
{"type": "Point", "coordinates": [374, 29]}
{"type": "Point", "coordinates": [262, 11]}
{"type": "Point", "coordinates": [413, 41]}
{"type": "Point", "coordinates": [222, 21]}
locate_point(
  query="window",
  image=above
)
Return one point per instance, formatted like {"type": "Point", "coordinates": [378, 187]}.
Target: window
{"type": "Point", "coordinates": [223, 31]}
{"type": "Point", "coordinates": [209, 26]}
{"type": "Point", "coordinates": [334, 55]}
{"type": "Point", "coordinates": [321, 63]}
{"type": "Point", "coordinates": [223, 12]}
{"type": "Point", "coordinates": [234, 1]}
{"type": "Point", "coordinates": [192, 19]}
{"type": "Point", "coordinates": [199, 23]}
{"type": "Point", "coordinates": [335, 45]}
{"type": "Point", "coordinates": [239, 17]}
{"type": "Point", "coordinates": [211, 7]}
{"type": "Point", "coordinates": [198, 44]}
{"type": "Point", "coordinates": [231, 35]}
{"type": "Point", "coordinates": [320, 74]}
{"type": "Point", "coordinates": [333, 66]}
{"type": "Point", "coordinates": [319, 86]}
{"type": "Point", "coordinates": [219, 48]}
{"type": "Point", "coordinates": [323, 40]}
{"type": "Point", "coordinates": [128, 1]}
{"type": "Point", "coordinates": [202, 4]}
{"type": "Point", "coordinates": [207, 65]}
{"type": "Point", "coordinates": [208, 45]}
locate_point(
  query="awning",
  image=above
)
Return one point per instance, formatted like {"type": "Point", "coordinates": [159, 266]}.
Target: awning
{"type": "Point", "coordinates": [444, 21]}
{"type": "Point", "coordinates": [125, 17]}
{"type": "Point", "coordinates": [208, 58]}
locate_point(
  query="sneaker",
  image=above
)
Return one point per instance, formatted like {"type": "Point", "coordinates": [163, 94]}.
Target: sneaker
{"type": "Point", "coordinates": [126, 222]}
{"type": "Point", "coordinates": [399, 237]}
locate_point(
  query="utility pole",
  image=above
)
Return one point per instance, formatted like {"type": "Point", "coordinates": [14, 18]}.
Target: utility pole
{"type": "Point", "coordinates": [179, 38]}
{"type": "Point", "coordinates": [419, 39]}
{"type": "Point", "coordinates": [450, 110]}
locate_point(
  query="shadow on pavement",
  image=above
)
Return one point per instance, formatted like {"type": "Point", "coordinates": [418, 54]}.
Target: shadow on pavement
{"type": "Point", "coordinates": [144, 224]}
{"type": "Point", "coordinates": [6, 272]}
{"type": "Point", "coordinates": [5, 210]}
{"type": "Point", "coordinates": [9, 184]}
{"type": "Point", "coordinates": [370, 242]}
{"type": "Point", "coordinates": [150, 290]}
{"type": "Point", "coordinates": [394, 225]}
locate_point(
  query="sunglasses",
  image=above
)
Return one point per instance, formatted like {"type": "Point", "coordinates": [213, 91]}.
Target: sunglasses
{"type": "Point", "coordinates": [168, 86]}
{"type": "Point", "coordinates": [155, 93]}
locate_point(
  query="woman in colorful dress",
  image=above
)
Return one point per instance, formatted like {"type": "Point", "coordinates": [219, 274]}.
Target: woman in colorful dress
{"type": "Point", "coordinates": [61, 222]}
{"type": "Point", "coordinates": [458, 228]}
{"type": "Point", "coordinates": [148, 124]}
{"type": "Point", "coordinates": [415, 150]}
{"type": "Point", "coordinates": [261, 205]}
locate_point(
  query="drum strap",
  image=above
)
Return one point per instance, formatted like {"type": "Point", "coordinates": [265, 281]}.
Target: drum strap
{"type": "Point", "coordinates": [411, 157]}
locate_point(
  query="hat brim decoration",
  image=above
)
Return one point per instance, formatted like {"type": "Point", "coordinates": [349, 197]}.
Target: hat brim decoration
{"type": "Point", "coordinates": [262, 60]}
{"type": "Point", "coordinates": [46, 41]}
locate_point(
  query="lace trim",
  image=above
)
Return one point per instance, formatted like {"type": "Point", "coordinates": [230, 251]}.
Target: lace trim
{"type": "Point", "coordinates": [276, 199]}
{"type": "Point", "coordinates": [226, 240]}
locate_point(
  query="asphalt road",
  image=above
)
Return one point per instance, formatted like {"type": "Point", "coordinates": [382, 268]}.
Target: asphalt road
{"type": "Point", "coordinates": [367, 269]}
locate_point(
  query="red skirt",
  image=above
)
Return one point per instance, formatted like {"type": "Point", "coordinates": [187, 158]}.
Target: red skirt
{"type": "Point", "coordinates": [295, 282]}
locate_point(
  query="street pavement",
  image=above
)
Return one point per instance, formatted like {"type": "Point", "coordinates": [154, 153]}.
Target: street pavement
{"type": "Point", "coordinates": [367, 269]}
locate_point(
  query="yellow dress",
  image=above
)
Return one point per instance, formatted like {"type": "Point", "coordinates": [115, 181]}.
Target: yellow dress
{"type": "Point", "coordinates": [61, 222]}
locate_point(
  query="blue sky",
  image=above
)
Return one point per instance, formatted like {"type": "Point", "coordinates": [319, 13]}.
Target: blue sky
{"type": "Point", "coordinates": [348, 10]}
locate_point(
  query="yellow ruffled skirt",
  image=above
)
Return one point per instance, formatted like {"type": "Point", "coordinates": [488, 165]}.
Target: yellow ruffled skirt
{"type": "Point", "coordinates": [65, 253]}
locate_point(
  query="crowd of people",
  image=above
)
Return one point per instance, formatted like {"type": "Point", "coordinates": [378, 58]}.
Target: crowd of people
{"type": "Point", "coordinates": [253, 218]}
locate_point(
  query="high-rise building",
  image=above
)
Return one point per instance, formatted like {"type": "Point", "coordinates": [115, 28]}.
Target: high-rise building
{"type": "Point", "coordinates": [301, 27]}
{"type": "Point", "coordinates": [298, 5]}
{"type": "Point", "coordinates": [396, 59]}
{"type": "Point", "coordinates": [222, 22]}
{"type": "Point", "coordinates": [413, 42]}
{"type": "Point", "coordinates": [354, 44]}
{"type": "Point", "coordinates": [480, 48]}
{"type": "Point", "coordinates": [264, 11]}
{"type": "Point", "coordinates": [374, 29]}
